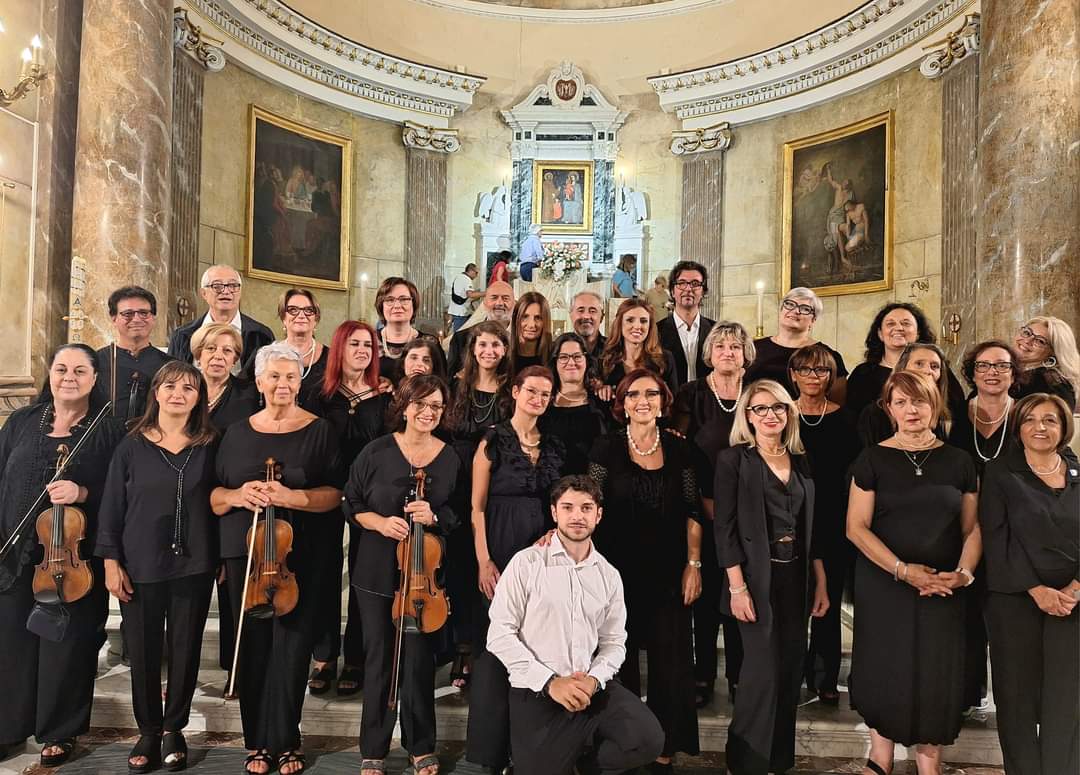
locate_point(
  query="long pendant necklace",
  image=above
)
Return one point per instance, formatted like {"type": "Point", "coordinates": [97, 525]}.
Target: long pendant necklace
{"type": "Point", "coordinates": [716, 393]}
{"type": "Point", "coordinates": [991, 423]}
{"type": "Point", "coordinates": [393, 349]}
{"type": "Point", "coordinates": [177, 545]}
{"type": "Point", "coordinates": [487, 408]}
{"type": "Point", "coordinates": [821, 417]}
{"type": "Point", "coordinates": [651, 450]}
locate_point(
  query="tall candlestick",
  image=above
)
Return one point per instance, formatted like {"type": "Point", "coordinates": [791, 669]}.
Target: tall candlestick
{"type": "Point", "coordinates": [760, 309]}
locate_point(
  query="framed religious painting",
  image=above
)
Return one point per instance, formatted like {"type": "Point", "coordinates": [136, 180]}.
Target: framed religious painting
{"type": "Point", "coordinates": [299, 190]}
{"type": "Point", "coordinates": [837, 228]}
{"type": "Point", "coordinates": [562, 196]}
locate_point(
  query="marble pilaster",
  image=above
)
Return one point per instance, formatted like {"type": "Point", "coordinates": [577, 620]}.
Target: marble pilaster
{"type": "Point", "coordinates": [425, 232]}
{"type": "Point", "coordinates": [185, 180]}
{"type": "Point", "coordinates": [702, 227]}
{"type": "Point", "coordinates": [603, 211]}
{"type": "Point", "coordinates": [124, 143]}
{"type": "Point", "coordinates": [1028, 249]}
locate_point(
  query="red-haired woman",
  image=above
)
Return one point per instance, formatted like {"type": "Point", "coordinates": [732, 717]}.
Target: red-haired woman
{"type": "Point", "coordinates": [634, 344]}
{"type": "Point", "coordinates": [350, 399]}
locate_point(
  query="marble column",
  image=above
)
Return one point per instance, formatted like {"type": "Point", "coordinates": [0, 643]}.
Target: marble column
{"type": "Point", "coordinates": [120, 231]}
{"type": "Point", "coordinates": [1028, 203]}
{"type": "Point", "coordinates": [425, 217]}
{"type": "Point", "coordinates": [702, 227]}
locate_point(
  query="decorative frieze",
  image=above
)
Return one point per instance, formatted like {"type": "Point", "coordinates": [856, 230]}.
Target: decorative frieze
{"type": "Point", "coordinates": [190, 39]}
{"type": "Point", "coordinates": [713, 138]}
{"type": "Point", "coordinates": [428, 138]}
{"type": "Point", "coordinates": [955, 47]}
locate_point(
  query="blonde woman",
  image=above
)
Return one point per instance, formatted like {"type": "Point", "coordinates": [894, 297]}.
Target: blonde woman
{"type": "Point", "coordinates": [1047, 350]}
{"type": "Point", "coordinates": [763, 522]}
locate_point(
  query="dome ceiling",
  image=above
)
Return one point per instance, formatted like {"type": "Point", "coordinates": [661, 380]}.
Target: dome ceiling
{"type": "Point", "coordinates": [572, 5]}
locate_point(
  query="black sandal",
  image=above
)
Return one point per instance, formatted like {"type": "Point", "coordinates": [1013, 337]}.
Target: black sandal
{"type": "Point", "coordinates": [875, 767]}
{"type": "Point", "coordinates": [320, 679]}
{"type": "Point", "coordinates": [292, 757]}
{"type": "Point", "coordinates": [375, 765]}
{"type": "Point", "coordinates": [148, 747]}
{"type": "Point", "coordinates": [173, 744]}
{"type": "Point", "coordinates": [56, 759]}
{"type": "Point", "coordinates": [260, 757]}
{"type": "Point", "coordinates": [461, 670]}
{"type": "Point", "coordinates": [354, 677]}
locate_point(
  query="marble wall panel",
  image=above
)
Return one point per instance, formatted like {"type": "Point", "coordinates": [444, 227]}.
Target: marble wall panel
{"type": "Point", "coordinates": [702, 232]}
{"type": "Point", "coordinates": [603, 211]}
{"type": "Point", "coordinates": [425, 232]}
{"type": "Point", "coordinates": [183, 304]}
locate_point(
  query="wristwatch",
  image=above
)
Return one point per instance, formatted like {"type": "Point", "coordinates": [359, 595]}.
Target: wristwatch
{"type": "Point", "coordinates": [694, 564]}
{"type": "Point", "coordinates": [547, 685]}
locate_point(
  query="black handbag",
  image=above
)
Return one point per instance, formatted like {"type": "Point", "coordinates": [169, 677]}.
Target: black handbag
{"type": "Point", "coordinates": [48, 621]}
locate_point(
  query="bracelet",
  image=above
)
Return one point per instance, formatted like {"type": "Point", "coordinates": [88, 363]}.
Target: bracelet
{"type": "Point", "coordinates": [966, 574]}
{"type": "Point", "coordinates": [904, 577]}
{"type": "Point", "coordinates": [694, 563]}
{"type": "Point", "coordinates": [739, 590]}
{"type": "Point", "coordinates": [896, 571]}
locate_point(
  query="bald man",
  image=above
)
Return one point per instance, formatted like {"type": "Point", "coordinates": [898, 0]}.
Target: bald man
{"type": "Point", "coordinates": [221, 287]}
{"type": "Point", "coordinates": [498, 304]}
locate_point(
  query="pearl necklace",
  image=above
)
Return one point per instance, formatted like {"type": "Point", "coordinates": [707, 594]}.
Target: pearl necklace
{"type": "Point", "coordinates": [571, 400]}
{"type": "Point", "coordinates": [716, 393]}
{"type": "Point", "coordinates": [310, 354]}
{"type": "Point", "coordinates": [781, 453]}
{"type": "Point", "coordinates": [991, 423]}
{"type": "Point", "coordinates": [1051, 472]}
{"type": "Point", "coordinates": [806, 418]}
{"type": "Point", "coordinates": [652, 449]}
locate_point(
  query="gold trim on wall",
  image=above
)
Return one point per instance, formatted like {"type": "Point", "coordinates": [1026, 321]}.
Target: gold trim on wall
{"type": "Point", "coordinates": [842, 289]}
{"type": "Point", "coordinates": [539, 167]}
{"type": "Point", "coordinates": [255, 113]}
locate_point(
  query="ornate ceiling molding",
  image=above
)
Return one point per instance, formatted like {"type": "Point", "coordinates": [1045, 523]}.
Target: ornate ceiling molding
{"type": "Point", "coordinates": [280, 44]}
{"type": "Point", "coordinates": [689, 141]}
{"type": "Point", "coordinates": [874, 41]}
{"type": "Point", "coordinates": [426, 138]}
{"type": "Point", "coordinates": [593, 16]}
{"type": "Point", "coordinates": [955, 47]}
{"type": "Point", "coordinates": [190, 39]}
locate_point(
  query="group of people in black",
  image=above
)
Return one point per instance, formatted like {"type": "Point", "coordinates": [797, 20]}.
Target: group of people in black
{"type": "Point", "coordinates": [595, 496]}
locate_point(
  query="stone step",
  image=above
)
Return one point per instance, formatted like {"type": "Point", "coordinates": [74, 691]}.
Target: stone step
{"type": "Point", "coordinates": [821, 732]}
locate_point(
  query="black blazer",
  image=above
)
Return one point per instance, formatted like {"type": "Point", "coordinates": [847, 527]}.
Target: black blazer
{"type": "Point", "coordinates": [253, 334]}
{"type": "Point", "coordinates": [670, 341]}
{"type": "Point", "coordinates": [742, 535]}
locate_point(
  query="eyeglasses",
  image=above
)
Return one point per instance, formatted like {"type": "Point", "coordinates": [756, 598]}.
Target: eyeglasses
{"type": "Point", "coordinates": [1041, 341]}
{"type": "Point", "coordinates": [692, 285]}
{"type": "Point", "coordinates": [292, 311]}
{"type": "Point", "coordinates": [129, 314]}
{"type": "Point", "coordinates": [427, 406]}
{"type": "Point", "coordinates": [817, 371]}
{"type": "Point", "coordinates": [790, 306]}
{"type": "Point", "coordinates": [999, 367]}
{"type": "Point", "coordinates": [402, 300]}
{"type": "Point", "coordinates": [648, 395]}
{"type": "Point", "coordinates": [762, 410]}
{"type": "Point", "coordinates": [564, 359]}
{"type": "Point", "coordinates": [220, 287]}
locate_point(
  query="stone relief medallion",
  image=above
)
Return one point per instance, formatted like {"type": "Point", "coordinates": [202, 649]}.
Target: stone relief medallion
{"type": "Point", "coordinates": [565, 90]}
{"type": "Point", "coordinates": [566, 85]}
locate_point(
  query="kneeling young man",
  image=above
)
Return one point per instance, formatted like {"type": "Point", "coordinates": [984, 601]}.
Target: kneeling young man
{"type": "Point", "coordinates": [558, 624]}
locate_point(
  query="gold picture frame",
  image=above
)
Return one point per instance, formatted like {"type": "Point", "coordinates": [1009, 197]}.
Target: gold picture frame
{"type": "Point", "coordinates": [563, 196]}
{"type": "Point", "coordinates": [299, 197]}
{"type": "Point", "coordinates": [838, 209]}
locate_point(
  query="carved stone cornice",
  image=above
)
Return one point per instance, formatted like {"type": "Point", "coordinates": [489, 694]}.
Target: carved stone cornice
{"type": "Point", "coordinates": [428, 138]}
{"type": "Point", "coordinates": [872, 42]}
{"type": "Point", "coordinates": [300, 54]}
{"type": "Point", "coordinates": [713, 138]}
{"type": "Point", "coordinates": [190, 39]}
{"type": "Point", "coordinates": [956, 46]}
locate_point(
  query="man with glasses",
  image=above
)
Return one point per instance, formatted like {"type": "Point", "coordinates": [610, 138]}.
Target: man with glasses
{"type": "Point", "coordinates": [586, 315]}
{"type": "Point", "coordinates": [683, 333]}
{"type": "Point", "coordinates": [498, 305]}
{"type": "Point", "coordinates": [220, 287]}
{"type": "Point", "coordinates": [131, 361]}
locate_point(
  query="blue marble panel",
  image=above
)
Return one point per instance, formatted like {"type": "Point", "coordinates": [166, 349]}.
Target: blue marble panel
{"type": "Point", "coordinates": [520, 204]}
{"type": "Point", "coordinates": [603, 211]}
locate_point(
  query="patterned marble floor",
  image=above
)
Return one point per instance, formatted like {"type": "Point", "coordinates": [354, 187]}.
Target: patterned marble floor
{"type": "Point", "coordinates": [105, 750]}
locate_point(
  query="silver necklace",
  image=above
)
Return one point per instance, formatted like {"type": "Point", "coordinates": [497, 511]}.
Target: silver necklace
{"type": "Point", "coordinates": [806, 418]}
{"type": "Point", "coordinates": [1004, 429]}
{"type": "Point", "coordinates": [652, 449]}
{"type": "Point", "coordinates": [487, 408]}
{"type": "Point", "coordinates": [914, 458]}
{"type": "Point", "coordinates": [177, 545]}
{"type": "Point", "coordinates": [1051, 472]}
{"type": "Point", "coordinates": [716, 393]}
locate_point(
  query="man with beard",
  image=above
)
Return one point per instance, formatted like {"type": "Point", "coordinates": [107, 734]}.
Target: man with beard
{"type": "Point", "coordinates": [586, 315]}
{"type": "Point", "coordinates": [683, 333]}
{"type": "Point", "coordinates": [498, 304]}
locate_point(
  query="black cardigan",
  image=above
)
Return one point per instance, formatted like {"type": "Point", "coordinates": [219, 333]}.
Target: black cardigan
{"type": "Point", "coordinates": [741, 526]}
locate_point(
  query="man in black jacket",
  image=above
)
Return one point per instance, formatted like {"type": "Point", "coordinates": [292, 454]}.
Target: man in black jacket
{"type": "Point", "coordinates": [221, 287]}
{"type": "Point", "coordinates": [684, 332]}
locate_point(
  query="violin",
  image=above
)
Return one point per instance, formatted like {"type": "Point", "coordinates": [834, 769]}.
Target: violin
{"type": "Point", "coordinates": [420, 603]}
{"type": "Point", "coordinates": [270, 588]}
{"type": "Point", "coordinates": [62, 577]}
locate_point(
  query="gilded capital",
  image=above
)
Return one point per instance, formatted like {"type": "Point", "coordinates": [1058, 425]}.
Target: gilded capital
{"type": "Point", "coordinates": [956, 46]}
{"type": "Point", "coordinates": [190, 39]}
{"type": "Point", "coordinates": [712, 138]}
{"type": "Point", "coordinates": [428, 138]}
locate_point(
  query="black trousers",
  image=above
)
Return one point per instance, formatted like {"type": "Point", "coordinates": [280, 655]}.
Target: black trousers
{"type": "Point", "coordinates": [230, 590]}
{"type": "Point", "coordinates": [708, 620]}
{"type": "Point", "coordinates": [670, 690]}
{"type": "Point", "coordinates": [761, 737]}
{"type": "Point", "coordinates": [548, 739]}
{"type": "Point", "coordinates": [824, 656]}
{"type": "Point", "coordinates": [328, 632]}
{"type": "Point", "coordinates": [416, 692]}
{"type": "Point", "coordinates": [461, 585]}
{"type": "Point", "coordinates": [48, 688]}
{"type": "Point", "coordinates": [1033, 659]}
{"type": "Point", "coordinates": [487, 739]}
{"type": "Point", "coordinates": [176, 610]}
{"type": "Point", "coordinates": [975, 631]}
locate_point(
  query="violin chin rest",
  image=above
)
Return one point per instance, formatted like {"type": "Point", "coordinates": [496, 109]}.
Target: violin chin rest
{"type": "Point", "coordinates": [265, 611]}
{"type": "Point", "coordinates": [48, 597]}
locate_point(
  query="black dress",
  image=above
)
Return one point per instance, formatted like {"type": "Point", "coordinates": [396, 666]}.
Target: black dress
{"type": "Point", "coordinates": [274, 653]}
{"type": "Point", "coordinates": [908, 650]}
{"type": "Point", "coordinates": [1044, 380]}
{"type": "Point", "coordinates": [643, 534]}
{"type": "Point", "coordinates": [237, 402]}
{"type": "Point", "coordinates": [312, 382]}
{"type": "Point", "coordinates": [48, 687]}
{"type": "Point", "coordinates": [771, 362]}
{"type": "Point", "coordinates": [669, 374]}
{"type": "Point", "coordinates": [128, 385]}
{"type": "Point", "coordinates": [578, 427]}
{"type": "Point", "coordinates": [379, 482]}
{"type": "Point", "coordinates": [831, 446]}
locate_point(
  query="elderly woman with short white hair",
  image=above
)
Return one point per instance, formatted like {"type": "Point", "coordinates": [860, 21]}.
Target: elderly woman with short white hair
{"type": "Point", "coordinates": [275, 651]}
{"type": "Point", "coordinates": [799, 310]}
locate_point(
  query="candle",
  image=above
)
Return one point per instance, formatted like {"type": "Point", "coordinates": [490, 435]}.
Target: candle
{"type": "Point", "coordinates": [760, 308]}
{"type": "Point", "coordinates": [25, 70]}
{"type": "Point", "coordinates": [35, 50]}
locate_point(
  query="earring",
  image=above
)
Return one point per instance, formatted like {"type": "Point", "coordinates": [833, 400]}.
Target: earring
{"type": "Point", "coordinates": [1050, 362]}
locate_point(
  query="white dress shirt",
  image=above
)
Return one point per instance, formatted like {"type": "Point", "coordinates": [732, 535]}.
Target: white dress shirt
{"type": "Point", "coordinates": [552, 617]}
{"type": "Point", "coordinates": [688, 335]}
{"type": "Point", "coordinates": [235, 322]}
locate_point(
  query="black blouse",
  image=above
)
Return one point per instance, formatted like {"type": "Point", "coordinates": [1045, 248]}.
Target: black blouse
{"type": "Point", "coordinates": [867, 379]}
{"type": "Point", "coordinates": [357, 426]}
{"type": "Point", "coordinates": [578, 427]}
{"type": "Point", "coordinates": [308, 457]}
{"type": "Point", "coordinates": [1044, 380]}
{"type": "Point", "coordinates": [238, 402]}
{"type": "Point", "coordinates": [1030, 532]}
{"type": "Point", "coordinates": [379, 482]}
{"type": "Point", "coordinates": [311, 385]}
{"type": "Point", "coordinates": [831, 446]}
{"type": "Point", "coordinates": [131, 379]}
{"type": "Point", "coordinates": [27, 463]}
{"type": "Point", "coordinates": [138, 524]}
{"type": "Point", "coordinates": [771, 362]}
{"type": "Point", "coordinates": [670, 375]}
{"type": "Point", "coordinates": [700, 418]}
{"type": "Point", "coordinates": [964, 436]}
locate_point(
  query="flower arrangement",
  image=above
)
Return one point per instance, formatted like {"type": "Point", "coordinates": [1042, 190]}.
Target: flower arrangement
{"type": "Point", "coordinates": [562, 258]}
